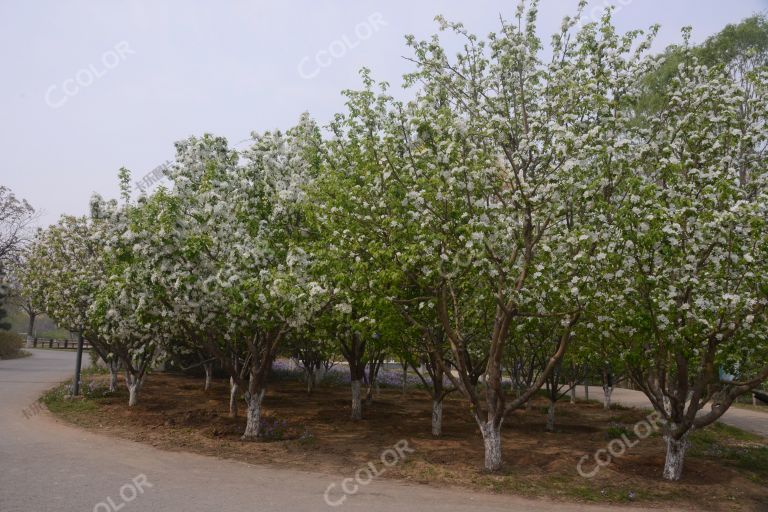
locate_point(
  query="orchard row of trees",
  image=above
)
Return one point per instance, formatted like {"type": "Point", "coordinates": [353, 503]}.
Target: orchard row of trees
{"type": "Point", "coordinates": [528, 214]}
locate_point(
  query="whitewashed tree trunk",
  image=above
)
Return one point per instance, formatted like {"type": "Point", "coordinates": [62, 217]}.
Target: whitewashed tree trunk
{"type": "Point", "coordinates": [437, 418]}
{"type": "Point", "coordinates": [492, 443]}
{"type": "Point", "coordinates": [133, 395]}
{"type": "Point", "coordinates": [114, 367]}
{"type": "Point", "coordinates": [607, 391]}
{"type": "Point", "coordinates": [233, 392]}
{"type": "Point", "coordinates": [551, 417]}
{"type": "Point", "coordinates": [253, 421]}
{"type": "Point", "coordinates": [357, 405]}
{"type": "Point", "coordinates": [134, 386]}
{"type": "Point", "coordinates": [208, 367]}
{"type": "Point", "coordinates": [676, 448]}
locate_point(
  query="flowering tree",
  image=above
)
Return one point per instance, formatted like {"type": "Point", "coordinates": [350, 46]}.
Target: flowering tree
{"type": "Point", "coordinates": [354, 334]}
{"type": "Point", "coordinates": [529, 355]}
{"type": "Point", "coordinates": [313, 352]}
{"type": "Point", "coordinates": [23, 298]}
{"type": "Point", "coordinates": [691, 252]}
{"type": "Point", "coordinates": [63, 269]}
{"type": "Point", "coordinates": [425, 349]}
{"type": "Point", "coordinates": [127, 315]}
{"type": "Point", "coordinates": [237, 279]}
{"type": "Point", "coordinates": [486, 194]}
{"type": "Point", "coordinates": [57, 272]}
{"type": "Point", "coordinates": [187, 250]}
{"type": "Point", "coordinates": [515, 207]}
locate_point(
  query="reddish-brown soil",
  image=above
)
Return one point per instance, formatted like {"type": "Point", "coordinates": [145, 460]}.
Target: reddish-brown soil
{"type": "Point", "coordinates": [175, 414]}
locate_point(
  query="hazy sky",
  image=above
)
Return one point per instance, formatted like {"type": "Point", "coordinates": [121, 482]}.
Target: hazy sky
{"type": "Point", "coordinates": [90, 86]}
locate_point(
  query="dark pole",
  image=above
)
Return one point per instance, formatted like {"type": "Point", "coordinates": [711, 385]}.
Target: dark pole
{"type": "Point", "coordinates": [78, 364]}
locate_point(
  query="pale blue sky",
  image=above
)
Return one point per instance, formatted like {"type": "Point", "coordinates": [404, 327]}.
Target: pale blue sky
{"type": "Point", "coordinates": [162, 71]}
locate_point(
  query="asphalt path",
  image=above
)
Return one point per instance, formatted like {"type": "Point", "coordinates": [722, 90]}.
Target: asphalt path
{"type": "Point", "coordinates": [745, 419]}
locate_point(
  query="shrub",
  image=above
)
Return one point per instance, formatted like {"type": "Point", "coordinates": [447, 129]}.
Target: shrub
{"type": "Point", "coordinates": [10, 345]}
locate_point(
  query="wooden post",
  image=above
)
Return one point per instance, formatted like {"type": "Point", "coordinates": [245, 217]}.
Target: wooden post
{"type": "Point", "coordinates": [50, 343]}
{"type": "Point", "coordinates": [66, 343]}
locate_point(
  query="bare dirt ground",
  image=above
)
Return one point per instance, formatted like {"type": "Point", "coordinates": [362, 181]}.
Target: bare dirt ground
{"type": "Point", "coordinates": [726, 468]}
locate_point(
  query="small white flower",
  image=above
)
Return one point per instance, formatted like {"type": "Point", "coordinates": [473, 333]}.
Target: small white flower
{"type": "Point", "coordinates": [344, 308]}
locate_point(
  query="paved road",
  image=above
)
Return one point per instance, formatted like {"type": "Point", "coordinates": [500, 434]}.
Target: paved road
{"type": "Point", "coordinates": [46, 466]}
{"type": "Point", "coordinates": [745, 419]}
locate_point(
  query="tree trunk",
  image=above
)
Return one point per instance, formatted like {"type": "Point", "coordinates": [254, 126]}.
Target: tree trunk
{"type": "Point", "coordinates": [437, 418]}
{"type": "Point", "coordinates": [357, 406]}
{"type": "Point", "coordinates": [676, 448]}
{"type": "Point", "coordinates": [31, 330]}
{"type": "Point", "coordinates": [573, 394]}
{"type": "Point", "coordinates": [208, 367]}
{"type": "Point", "coordinates": [253, 421]}
{"type": "Point", "coordinates": [586, 389]}
{"type": "Point", "coordinates": [134, 386]}
{"type": "Point", "coordinates": [492, 442]}
{"type": "Point", "coordinates": [114, 367]}
{"type": "Point", "coordinates": [31, 325]}
{"type": "Point", "coordinates": [233, 392]}
{"type": "Point", "coordinates": [405, 384]}
{"type": "Point", "coordinates": [369, 395]}
{"type": "Point", "coordinates": [551, 417]}
{"type": "Point", "coordinates": [311, 381]}
{"type": "Point", "coordinates": [754, 400]}
{"type": "Point", "coordinates": [607, 390]}
{"type": "Point", "coordinates": [133, 395]}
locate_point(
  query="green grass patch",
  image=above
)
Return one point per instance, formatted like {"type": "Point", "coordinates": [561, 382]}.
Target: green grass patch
{"type": "Point", "coordinates": [718, 432]}
{"type": "Point", "coordinates": [59, 400]}
{"type": "Point", "coordinates": [616, 431]}
{"type": "Point", "coordinates": [733, 447]}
